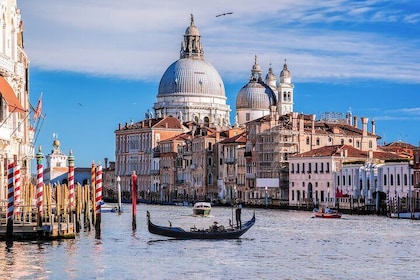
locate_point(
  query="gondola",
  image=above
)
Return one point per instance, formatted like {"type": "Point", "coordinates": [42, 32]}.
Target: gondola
{"type": "Point", "coordinates": [213, 232]}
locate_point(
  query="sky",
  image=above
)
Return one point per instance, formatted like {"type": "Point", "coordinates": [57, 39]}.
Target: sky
{"type": "Point", "coordinates": [98, 63]}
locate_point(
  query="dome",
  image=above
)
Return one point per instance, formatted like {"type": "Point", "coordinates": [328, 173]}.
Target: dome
{"type": "Point", "coordinates": [191, 77]}
{"type": "Point", "coordinates": [285, 72]}
{"type": "Point", "coordinates": [192, 31]}
{"type": "Point", "coordinates": [255, 95]}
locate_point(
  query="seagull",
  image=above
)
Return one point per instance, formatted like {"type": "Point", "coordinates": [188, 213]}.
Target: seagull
{"type": "Point", "coordinates": [228, 13]}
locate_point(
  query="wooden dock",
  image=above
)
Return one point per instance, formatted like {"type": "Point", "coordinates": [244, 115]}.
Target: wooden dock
{"type": "Point", "coordinates": [57, 221]}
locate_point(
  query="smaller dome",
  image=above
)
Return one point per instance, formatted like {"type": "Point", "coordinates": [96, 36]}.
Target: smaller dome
{"type": "Point", "coordinates": [285, 72]}
{"type": "Point", "coordinates": [256, 96]}
{"type": "Point", "coordinates": [192, 30]}
{"type": "Point", "coordinates": [56, 143]}
{"type": "Point", "coordinates": [270, 75]}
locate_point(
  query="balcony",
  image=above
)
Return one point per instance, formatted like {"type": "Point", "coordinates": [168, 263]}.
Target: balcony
{"type": "Point", "coordinates": [250, 176]}
{"type": "Point", "coordinates": [230, 160]}
{"type": "Point", "coordinates": [154, 172]}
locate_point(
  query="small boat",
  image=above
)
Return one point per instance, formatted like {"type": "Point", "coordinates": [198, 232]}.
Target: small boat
{"type": "Point", "coordinates": [106, 208]}
{"type": "Point", "coordinates": [213, 232]}
{"type": "Point", "coordinates": [201, 208]}
{"type": "Point", "coordinates": [406, 215]}
{"type": "Point", "coordinates": [326, 213]}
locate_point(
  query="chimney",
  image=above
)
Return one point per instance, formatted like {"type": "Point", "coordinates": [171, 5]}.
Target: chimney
{"type": "Point", "coordinates": [301, 123]}
{"type": "Point", "coordinates": [370, 154]}
{"type": "Point", "coordinates": [313, 123]}
{"type": "Point", "coordinates": [355, 121]}
{"type": "Point", "coordinates": [373, 127]}
{"type": "Point", "coordinates": [106, 163]}
{"type": "Point", "coordinates": [364, 125]}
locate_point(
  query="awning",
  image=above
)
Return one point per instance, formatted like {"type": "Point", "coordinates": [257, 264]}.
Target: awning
{"type": "Point", "coordinates": [8, 93]}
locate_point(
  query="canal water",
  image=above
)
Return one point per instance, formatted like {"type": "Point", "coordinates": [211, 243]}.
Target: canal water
{"type": "Point", "coordinates": [281, 245]}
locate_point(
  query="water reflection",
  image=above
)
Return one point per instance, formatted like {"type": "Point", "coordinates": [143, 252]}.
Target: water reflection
{"type": "Point", "coordinates": [281, 245]}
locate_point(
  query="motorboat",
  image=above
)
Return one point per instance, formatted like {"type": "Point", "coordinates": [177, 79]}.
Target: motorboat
{"type": "Point", "coordinates": [201, 208]}
{"type": "Point", "coordinates": [215, 231]}
{"type": "Point", "coordinates": [326, 213]}
{"type": "Point", "coordinates": [406, 215]}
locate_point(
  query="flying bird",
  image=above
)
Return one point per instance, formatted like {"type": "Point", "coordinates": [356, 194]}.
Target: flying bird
{"type": "Point", "coordinates": [228, 13]}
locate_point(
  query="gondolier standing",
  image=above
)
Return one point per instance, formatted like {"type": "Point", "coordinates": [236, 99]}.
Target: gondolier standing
{"type": "Point", "coordinates": [238, 214]}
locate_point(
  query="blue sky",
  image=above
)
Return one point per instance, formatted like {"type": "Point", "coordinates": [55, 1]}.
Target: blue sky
{"type": "Point", "coordinates": [98, 63]}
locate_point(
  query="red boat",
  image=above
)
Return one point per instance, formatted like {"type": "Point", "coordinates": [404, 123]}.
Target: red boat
{"type": "Point", "coordinates": [327, 213]}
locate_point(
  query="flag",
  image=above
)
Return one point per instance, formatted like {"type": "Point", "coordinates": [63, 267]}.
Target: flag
{"type": "Point", "coordinates": [38, 110]}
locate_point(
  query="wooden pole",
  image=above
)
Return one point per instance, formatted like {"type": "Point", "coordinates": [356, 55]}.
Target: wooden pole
{"type": "Point", "coordinates": [134, 199]}
{"type": "Point", "coordinates": [92, 192]}
{"type": "Point", "coordinates": [70, 160]}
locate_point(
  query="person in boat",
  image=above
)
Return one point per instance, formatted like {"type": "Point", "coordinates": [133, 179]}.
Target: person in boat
{"type": "Point", "coordinates": [238, 211]}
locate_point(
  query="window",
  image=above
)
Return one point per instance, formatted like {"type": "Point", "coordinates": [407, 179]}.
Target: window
{"type": "Point", "coordinates": [318, 141]}
{"type": "Point", "coordinates": [328, 167]}
{"type": "Point", "coordinates": [292, 170]}
{"type": "Point", "coordinates": [322, 167]}
{"type": "Point", "coordinates": [391, 179]}
{"type": "Point", "coordinates": [307, 140]}
{"type": "Point", "coordinates": [309, 167]}
{"type": "Point", "coordinates": [405, 179]}
{"type": "Point", "coordinates": [303, 167]}
{"type": "Point", "coordinates": [342, 141]}
{"type": "Point", "coordinates": [349, 180]}
{"type": "Point", "coordinates": [385, 181]}
{"type": "Point", "coordinates": [370, 144]}
{"type": "Point", "coordinates": [316, 167]}
{"type": "Point", "coordinates": [209, 146]}
{"type": "Point", "coordinates": [398, 180]}
{"type": "Point", "coordinates": [247, 117]}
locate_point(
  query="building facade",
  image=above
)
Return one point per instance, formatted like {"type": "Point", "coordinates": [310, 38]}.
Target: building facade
{"type": "Point", "coordinates": [16, 134]}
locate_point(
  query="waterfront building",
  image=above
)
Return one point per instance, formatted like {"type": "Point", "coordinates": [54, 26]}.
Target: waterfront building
{"type": "Point", "coordinates": [273, 139]}
{"type": "Point", "coordinates": [231, 177]}
{"type": "Point", "coordinates": [135, 145]}
{"type": "Point", "coordinates": [16, 133]}
{"type": "Point", "coordinates": [343, 176]}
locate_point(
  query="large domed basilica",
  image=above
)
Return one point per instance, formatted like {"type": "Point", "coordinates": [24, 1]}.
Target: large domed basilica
{"type": "Point", "coordinates": [191, 89]}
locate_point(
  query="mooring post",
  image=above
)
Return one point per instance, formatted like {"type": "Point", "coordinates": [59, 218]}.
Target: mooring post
{"type": "Point", "coordinates": [40, 185]}
{"type": "Point", "coordinates": [98, 200]}
{"type": "Point", "coordinates": [134, 198]}
{"type": "Point", "coordinates": [70, 177]}
{"type": "Point", "coordinates": [10, 204]}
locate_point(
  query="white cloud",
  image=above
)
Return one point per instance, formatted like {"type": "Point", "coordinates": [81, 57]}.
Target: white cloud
{"type": "Point", "coordinates": [135, 40]}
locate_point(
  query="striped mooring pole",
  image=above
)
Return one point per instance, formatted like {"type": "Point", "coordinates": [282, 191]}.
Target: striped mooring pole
{"type": "Point", "coordinates": [17, 190]}
{"type": "Point", "coordinates": [98, 200]}
{"type": "Point", "coordinates": [10, 202]}
{"type": "Point", "coordinates": [39, 185]}
{"type": "Point", "coordinates": [70, 160]}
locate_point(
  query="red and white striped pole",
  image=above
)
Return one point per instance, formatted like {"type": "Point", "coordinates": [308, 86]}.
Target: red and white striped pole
{"type": "Point", "coordinates": [39, 184]}
{"type": "Point", "coordinates": [98, 200]}
{"type": "Point", "coordinates": [10, 201]}
{"type": "Point", "coordinates": [17, 190]}
{"type": "Point", "coordinates": [71, 180]}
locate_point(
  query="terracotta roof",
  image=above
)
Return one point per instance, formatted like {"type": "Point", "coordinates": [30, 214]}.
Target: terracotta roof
{"type": "Point", "coordinates": [338, 150]}
{"type": "Point", "coordinates": [239, 139]}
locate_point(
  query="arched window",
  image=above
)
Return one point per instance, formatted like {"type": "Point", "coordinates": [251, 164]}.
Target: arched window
{"type": "Point", "coordinates": [318, 141]}
{"type": "Point", "coordinates": [398, 180]}
{"type": "Point", "coordinates": [391, 179]}
{"type": "Point", "coordinates": [405, 180]}
{"type": "Point", "coordinates": [210, 161]}
{"type": "Point", "coordinates": [370, 144]}
{"type": "Point", "coordinates": [338, 180]}
{"type": "Point", "coordinates": [210, 179]}
{"type": "Point", "coordinates": [349, 180]}
{"type": "Point", "coordinates": [307, 140]}
{"type": "Point", "coordinates": [385, 181]}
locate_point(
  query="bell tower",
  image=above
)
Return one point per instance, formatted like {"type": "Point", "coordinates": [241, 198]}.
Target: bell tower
{"type": "Point", "coordinates": [285, 91]}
